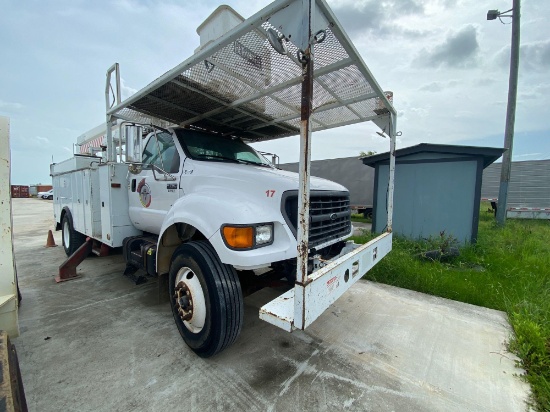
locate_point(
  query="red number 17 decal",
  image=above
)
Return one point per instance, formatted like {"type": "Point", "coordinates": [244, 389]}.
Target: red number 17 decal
{"type": "Point", "coordinates": [270, 193]}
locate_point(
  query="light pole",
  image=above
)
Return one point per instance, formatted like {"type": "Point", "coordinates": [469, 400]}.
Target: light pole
{"type": "Point", "coordinates": [511, 109]}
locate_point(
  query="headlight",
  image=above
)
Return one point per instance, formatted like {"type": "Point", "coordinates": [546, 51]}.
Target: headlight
{"type": "Point", "coordinates": [244, 237]}
{"type": "Point", "coordinates": [264, 234]}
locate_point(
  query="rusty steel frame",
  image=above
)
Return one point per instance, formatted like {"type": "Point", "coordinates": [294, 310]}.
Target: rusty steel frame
{"type": "Point", "coordinates": [302, 295]}
{"type": "Point", "coordinates": [305, 150]}
{"type": "Point", "coordinates": [67, 270]}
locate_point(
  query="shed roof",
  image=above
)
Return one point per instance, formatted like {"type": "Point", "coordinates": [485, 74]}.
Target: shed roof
{"type": "Point", "coordinates": [489, 154]}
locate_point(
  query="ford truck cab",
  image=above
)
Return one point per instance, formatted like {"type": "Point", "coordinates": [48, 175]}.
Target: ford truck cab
{"type": "Point", "coordinates": [220, 189]}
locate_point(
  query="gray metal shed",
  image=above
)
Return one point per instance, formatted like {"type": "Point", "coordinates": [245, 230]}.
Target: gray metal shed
{"type": "Point", "coordinates": [437, 188]}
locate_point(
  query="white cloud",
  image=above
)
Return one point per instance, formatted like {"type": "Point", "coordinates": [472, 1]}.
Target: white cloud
{"type": "Point", "coordinates": [439, 86]}
{"type": "Point", "coordinates": [379, 18]}
{"type": "Point", "coordinates": [459, 50]}
{"type": "Point", "coordinates": [41, 139]}
{"type": "Point", "coordinates": [126, 91]}
{"type": "Point", "coordinates": [533, 56]}
{"type": "Point", "coordinates": [536, 55]}
{"type": "Point", "coordinates": [10, 106]}
{"type": "Point", "coordinates": [529, 155]}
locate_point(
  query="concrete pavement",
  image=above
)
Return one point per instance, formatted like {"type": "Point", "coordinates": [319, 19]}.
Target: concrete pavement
{"type": "Point", "coordinates": [100, 343]}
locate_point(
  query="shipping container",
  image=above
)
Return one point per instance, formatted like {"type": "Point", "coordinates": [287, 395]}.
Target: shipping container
{"type": "Point", "coordinates": [19, 191]}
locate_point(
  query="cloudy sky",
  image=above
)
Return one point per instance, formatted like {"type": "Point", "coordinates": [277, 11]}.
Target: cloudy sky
{"type": "Point", "coordinates": [446, 64]}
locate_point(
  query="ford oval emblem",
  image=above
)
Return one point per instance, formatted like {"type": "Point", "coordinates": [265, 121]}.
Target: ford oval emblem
{"type": "Point", "coordinates": [333, 216]}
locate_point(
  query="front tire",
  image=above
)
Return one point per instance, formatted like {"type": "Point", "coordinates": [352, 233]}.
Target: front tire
{"type": "Point", "coordinates": [72, 239]}
{"type": "Point", "coordinates": [206, 299]}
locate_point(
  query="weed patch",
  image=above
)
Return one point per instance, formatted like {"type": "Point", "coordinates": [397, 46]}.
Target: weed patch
{"type": "Point", "coordinates": [359, 217]}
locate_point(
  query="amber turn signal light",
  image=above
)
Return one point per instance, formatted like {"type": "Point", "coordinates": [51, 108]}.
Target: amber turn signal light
{"type": "Point", "coordinates": [239, 237]}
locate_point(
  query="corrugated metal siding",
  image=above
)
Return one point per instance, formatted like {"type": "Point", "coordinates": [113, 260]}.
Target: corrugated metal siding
{"type": "Point", "coordinates": [350, 172]}
{"type": "Point", "coordinates": [529, 183]}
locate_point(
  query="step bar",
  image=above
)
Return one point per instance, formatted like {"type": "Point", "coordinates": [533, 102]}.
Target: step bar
{"type": "Point", "coordinates": [302, 305]}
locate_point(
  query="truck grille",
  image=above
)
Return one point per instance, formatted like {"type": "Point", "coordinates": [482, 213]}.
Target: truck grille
{"type": "Point", "coordinates": [329, 215]}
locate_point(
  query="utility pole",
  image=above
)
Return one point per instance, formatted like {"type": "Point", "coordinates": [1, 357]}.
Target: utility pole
{"type": "Point", "coordinates": [510, 113]}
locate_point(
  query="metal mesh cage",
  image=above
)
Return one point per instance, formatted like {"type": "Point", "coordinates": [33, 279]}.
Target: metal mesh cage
{"type": "Point", "coordinates": [240, 86]}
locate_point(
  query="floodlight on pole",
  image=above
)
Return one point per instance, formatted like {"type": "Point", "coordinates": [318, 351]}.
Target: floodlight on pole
{"type": "Point", "coordinates": [511, 108]}
{"type": "Point", "coordinates": [492, 14]}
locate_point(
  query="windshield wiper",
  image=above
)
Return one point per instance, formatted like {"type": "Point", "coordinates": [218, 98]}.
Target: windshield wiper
{"type": "Point", "coordinates": [242, 161]}
{"type": "Point", "coordinates": [250, 162]}
{"type": "Point", "coordinates": [206, 156]}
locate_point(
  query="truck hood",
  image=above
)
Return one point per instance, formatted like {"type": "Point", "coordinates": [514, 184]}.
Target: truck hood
{"type": "Point", "coordinates": [248, 177]}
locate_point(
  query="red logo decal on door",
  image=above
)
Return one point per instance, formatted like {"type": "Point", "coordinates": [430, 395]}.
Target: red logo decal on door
{"type": "Point", "coordinates": [144, 193]}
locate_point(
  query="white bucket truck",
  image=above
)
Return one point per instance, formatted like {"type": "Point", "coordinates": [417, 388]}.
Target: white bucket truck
{"type": "Point", "coordinates": [179, 188]}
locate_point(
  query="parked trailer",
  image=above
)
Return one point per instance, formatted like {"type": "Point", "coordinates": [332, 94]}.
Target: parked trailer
{"type": "Point", "coordinates": [528, 190]}
{"type": "Point", "coordinates": [351, 173]}
{"type": "Point", "coordinates": [193, 204]}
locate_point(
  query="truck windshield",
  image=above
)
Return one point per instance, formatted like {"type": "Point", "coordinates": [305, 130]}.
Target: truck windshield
{"type": "Point", "coordinates": [204, 146]}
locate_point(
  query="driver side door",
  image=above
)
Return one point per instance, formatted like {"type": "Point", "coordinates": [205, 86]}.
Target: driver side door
{"type": "Point", "coordinates": [153, 191]}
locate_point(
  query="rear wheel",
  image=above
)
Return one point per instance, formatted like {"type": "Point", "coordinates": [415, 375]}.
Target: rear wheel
{"type": "Point", "coordinates": [206, 299]}
{"type": "Point", "coordinates": [72, 239]}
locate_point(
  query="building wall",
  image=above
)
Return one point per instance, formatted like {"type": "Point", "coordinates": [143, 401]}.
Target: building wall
{"type": "Point", "coordinates": [430, 197]}
{"type": "Point", "coordinates": [8, 277]}
{"type": "Point", "coordinates": [349, 172]}
{"type": "Point", "coordinates": [529, 183]}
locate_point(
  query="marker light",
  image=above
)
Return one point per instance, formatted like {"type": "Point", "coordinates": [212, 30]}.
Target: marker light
{"type": "Point", "coordinates": [239, 237]}
{"type": "Point", "coordinates": [247, 237]}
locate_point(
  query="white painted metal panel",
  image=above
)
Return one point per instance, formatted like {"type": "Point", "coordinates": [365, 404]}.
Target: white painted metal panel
{"type": "Point", "coordinates": [113, 193]}
{"type": "Point", "coordinates": [8, 274]}
{"type": "Point", "coordinates": [72, 183]}
{"type": "Point", "coordinates": [300, 306]}
{"type": "Point", "coordinates": [95, 204]}
{"type": "Point", "coordinates": [86, 204]}
{"type": "Point", "coordinates": [77, 209]}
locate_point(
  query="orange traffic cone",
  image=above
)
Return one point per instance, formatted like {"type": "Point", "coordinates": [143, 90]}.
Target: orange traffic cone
{"type": "Point", "coordinates": [50, 242]}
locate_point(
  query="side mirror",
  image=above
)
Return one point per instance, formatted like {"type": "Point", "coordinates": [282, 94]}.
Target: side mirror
{"type": "Point", "coordinates": [133, 143]}
{"type": "Point", "coordinates": [162, 175]}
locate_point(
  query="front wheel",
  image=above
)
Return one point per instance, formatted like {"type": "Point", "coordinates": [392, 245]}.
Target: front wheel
{"type": "Point", "coordinates": [72, 239]}
{"type": "Point", "coordinates": [206, 299]}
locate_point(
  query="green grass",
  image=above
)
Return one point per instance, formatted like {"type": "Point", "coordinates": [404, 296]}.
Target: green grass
{"type": "Point", "coordinates": [358, 217]}
{"type": "Point", "coordinates": [508, 269]}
